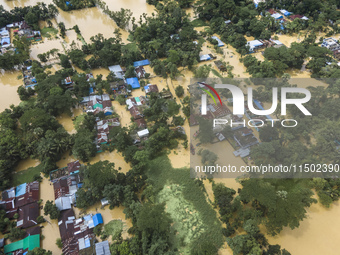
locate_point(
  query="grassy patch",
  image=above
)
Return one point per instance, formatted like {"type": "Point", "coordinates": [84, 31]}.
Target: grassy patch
{"type": "Point", "coordinates": [113, 228]}
{"type": "Point", "coordinates": [194, 219]}
{"type": "Point", "coordinates": [216, 73]}
{"type": "Point", "coordinates": [49, 32]}
{"type": "Point", "coordinates": [26, 175]}
{"type": "Point", "coordinates": [198, 23]}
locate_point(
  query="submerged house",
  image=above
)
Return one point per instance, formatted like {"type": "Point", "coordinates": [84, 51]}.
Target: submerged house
{"type": "Point", "coordinates": [77, 234]}
{"type": "Point", "coordinates": [150, 89]}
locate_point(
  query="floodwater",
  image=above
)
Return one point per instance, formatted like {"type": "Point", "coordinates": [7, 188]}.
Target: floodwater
{"type": "Point", "coordinates": [67, 121]}
{"type": "Point", "coordinates": [50, 230]}
{"type": "Point", "coordinates": [9, 84]}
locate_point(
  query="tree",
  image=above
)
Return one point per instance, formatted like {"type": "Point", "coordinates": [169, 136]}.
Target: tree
{"type": "Point", "coordinates": [51, 210]}
{"type": "Point", "coordinates": [59, 242]}
{"type": "Point", "coordinates": [39, 251]}
{"type": "Point", "coordinates": [84, 147]}
{"type": "Point", "coordinates": [208, 158]}
{"type": "Point", "coordinates": [275, 198]}
{"type": "Point", "coordinates": [179, 91]}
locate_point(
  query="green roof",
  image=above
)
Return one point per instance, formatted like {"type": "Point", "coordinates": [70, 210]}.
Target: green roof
{"type": "Point", "coordinates": [29, 243]}
{"type": "Point", "coordinates": [98, 105]}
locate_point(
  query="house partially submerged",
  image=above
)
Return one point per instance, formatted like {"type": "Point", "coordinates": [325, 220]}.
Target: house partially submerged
{"type": "Point", "coordinates": [144, 62]}
{"type": "Point", "coordinates": [219, 42]}
{"type": "Point", "coordinates": [65, 189]}
{"type": "Point", "coordinates": [29, 79]}
{"type": "Point", "coordinates": [220, 66]}
{"type": "Point", "coordinates": [103, 248]}
{"type": "Point", "coordinates": [206, 57]}
{"type": "Point", "coordinates": [77, 234]}
{"type": "Point", "coordinates": [140, 72]}
{"type": "Point", "coordinates": [103, 130]}
{"type": "Point", "coordinates": [254, 45]}
{"type": "Point", "coordinates": [15, 198]}
{"type": "Point", "coordinates": [133, 82]}
{"type": "Point", "coordinates": [244, 137]}
{"type": "Point", "coordinates": [28, 215]}
{"type": "Point", "coordinates": [23, 246]}
{"type": "Point", "coordinates": [98, 103]}
{"type": "Point", "coordinates": [150, 89]}
{"type": "Point", "coordinates": [118, 71]}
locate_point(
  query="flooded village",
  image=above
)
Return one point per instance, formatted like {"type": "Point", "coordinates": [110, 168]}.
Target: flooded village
{"type": "Point", "coordinates": [75, 227]}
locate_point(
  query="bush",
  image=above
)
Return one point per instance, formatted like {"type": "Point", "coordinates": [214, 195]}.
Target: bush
{"type": "Point", "coordinates": [179, 91]}
{"type": "Point", "coordinates": [59, 243]}
{"type": "Point", "coordinates": [40, 219]}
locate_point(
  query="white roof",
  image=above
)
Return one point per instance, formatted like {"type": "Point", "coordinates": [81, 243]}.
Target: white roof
{"type": "Point", "coordinates": [115, 68]}
{"type": "Point", "coordinates": [254, 43]}
{"type": "Point", "coordinates": [305, 18]}
{"type": "Point", "coordinates": [276, 16]}
{"type": "Point", "coordinates": [205, 57]}
{"type": "Point", "coordinates": [220, 43]}
{"type": "Point", "coordinates": [63, 203]}
{"type": "Point", "coordinates": [143, 133]}
{"type": "Point", "coordinates": [81, 242]}
{"type": "Point", "coordinates": [277, 42]}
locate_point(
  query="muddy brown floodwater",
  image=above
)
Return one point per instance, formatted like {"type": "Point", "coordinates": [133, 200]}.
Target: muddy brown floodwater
{"type": "Point", "coordinates": [9, 84]}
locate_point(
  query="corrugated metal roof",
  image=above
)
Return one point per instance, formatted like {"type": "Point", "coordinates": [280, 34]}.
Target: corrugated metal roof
{"type": "Point", "coordinates": [144, 62]}
{"type": "Point", "coordinates": [103, 248]}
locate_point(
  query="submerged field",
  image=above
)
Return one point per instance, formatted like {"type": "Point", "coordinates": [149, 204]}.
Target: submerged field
{"type": "Point", "coordinates": [185, 200]}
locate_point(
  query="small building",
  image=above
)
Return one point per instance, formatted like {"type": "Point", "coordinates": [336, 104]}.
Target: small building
{"type": "Point", "coordinates": [220, 66]}
{"type": "Point", "coordinates": [26, 244]}
{"type": "Point", "coordinates": [140, 72]}
{"type": "Point", "coordinates": [219, 42]}
{"type": "Point", "coordinates": [117, 70]}
{"type": "Point", "coordinates": [103, 248]}
{"type": "Point", "coordinates": [206, 57]}
{"type": "Point", "coordinates": [133, 82]}
{"type": "Point", "coordinates": [166, 94]}
{"type": "Point", "coordinates": [104, 202]}
{"type": "Point", "coordinates": [28, 215]}
{"type": "Point", "coordinates": [63, 203]}
{"type": "Point", "coordinates": [150, 88]}
{"type": "Point", "coordinates": [97, 219]}
{"type": "Point", "coordinates": [141, 123]}
{"type": "Point", "coordinates": [254, 45]}
{"type": "Point", "coordinates": [143, 133]}
{"type": "Point", "coordinates": [285, 12]}
{"type": "Point", "coordinates": [144, 62]}
{"type": "Point", "coordinates": [277, 16]}
{"type": "Point", "coordinates": [136, 113]}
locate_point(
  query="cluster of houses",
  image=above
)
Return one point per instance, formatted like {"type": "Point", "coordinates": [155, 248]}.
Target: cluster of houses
{"type": "Point", "coordinates": [98, 103]}
{"type": "Point", "coordinates": [103, 130]}
{"type": "Point", "coordinates": [29, 80]}
{"type": "Point", "coordinates": [333, 45]}
{"type": "Point", "coordinates": [256, 45]}
{"type": "Point", "coordinates": [76, 233]}
{"type": "Point", "coordinates": [21, 203]}
{"type": "Point", "coordinates": [119, 73]}
{"type": "Point", "coordinates": [17, 28]}
{"type": "Point", "coordinates": [243, 136]}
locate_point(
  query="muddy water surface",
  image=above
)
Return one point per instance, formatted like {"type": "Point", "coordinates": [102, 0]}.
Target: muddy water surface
{"type": "Point", "coordinates": [9, 84]}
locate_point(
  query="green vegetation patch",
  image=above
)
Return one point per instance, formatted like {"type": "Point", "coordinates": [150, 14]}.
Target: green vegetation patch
{"type": "Point", "coordinates": [198, 23]}
{"type": "Point", "coordinates": [187, 205]}
{"type": "Point", "coordinates": [113, 228]}
{"type": "Point", "coordinates": [27, 175]}
{"type": "Point", "coordinates": [216, 73]}
{"type": "Point", "coordinates": [49, 32]}
{"type": "Point", "coordinates": [187, 221]}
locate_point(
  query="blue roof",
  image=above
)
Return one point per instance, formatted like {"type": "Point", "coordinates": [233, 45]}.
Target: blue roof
{"type": "Point", "coordinates": [80, 185]}
{"type": "Point", "coordinates": [87, 242]}
{"type": "Point", "coordinates": [20, 190]}
{"type": "Point", "coordinates": [133, 82]}
{"type": "Point", "coordinates": [144, 62]}
{"type": "Point", "coordinates": [91, 90]}
{"type": "Point", "coordinates": [97, 219]}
